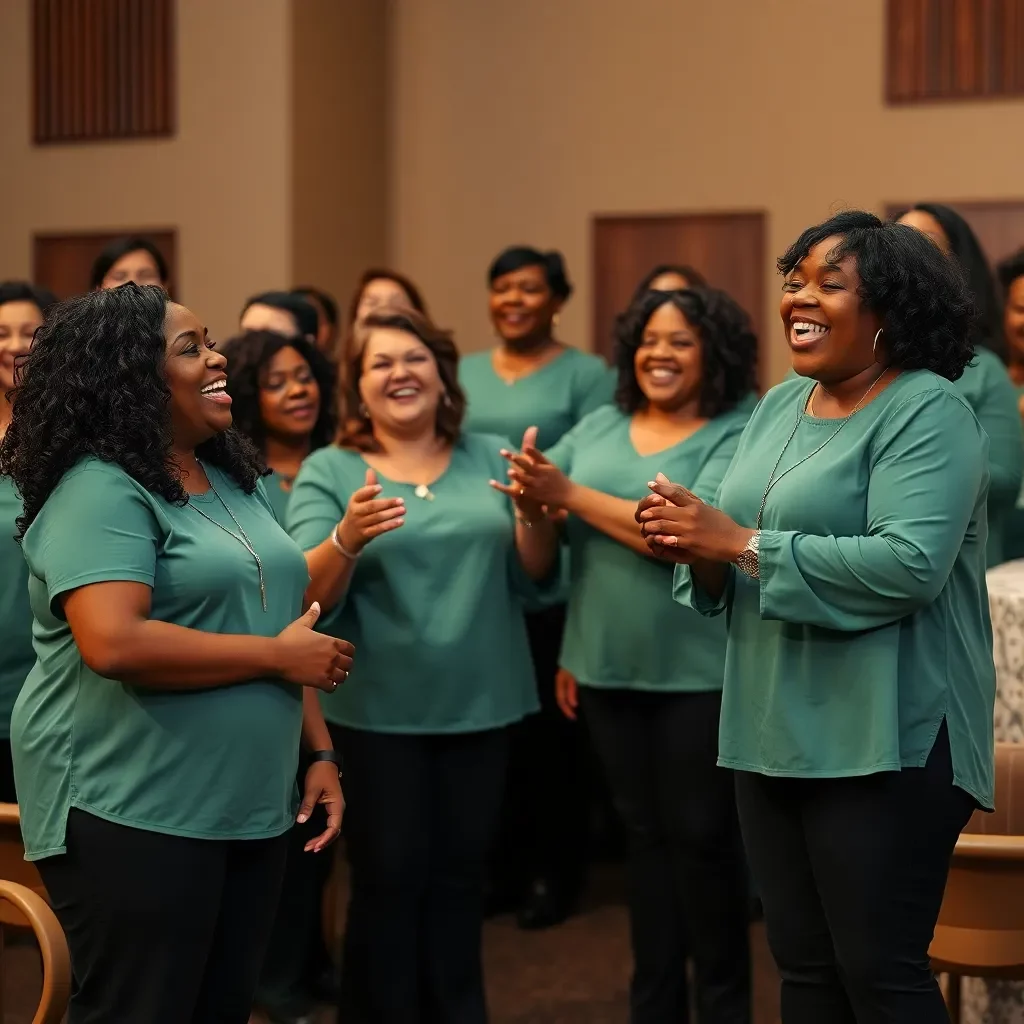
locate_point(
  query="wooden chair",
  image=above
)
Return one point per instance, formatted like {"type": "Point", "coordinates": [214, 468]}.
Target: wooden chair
{"type": "Point", "coordinates": [53, 946]}
{"type": "Point", "coordinates": [13, 866]}
{"type": "Point", "coordinates": [980, 932]}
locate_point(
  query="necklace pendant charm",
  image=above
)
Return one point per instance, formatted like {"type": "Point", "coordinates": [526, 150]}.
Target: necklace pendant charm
{"type": "Point", "coordinates": [424, 492]}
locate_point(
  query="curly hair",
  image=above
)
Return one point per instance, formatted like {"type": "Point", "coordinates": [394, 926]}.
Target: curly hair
{"type": "Point", "coordinates": [93, 385]}
{"type": "Point", "coordinates": [249, 355]}
{"type": "Point", "coordinates": [728, 347]}
{"type": "Point", "coordinates": [921, 296]}
{"type": "Point", "coordinates": [356, 428]}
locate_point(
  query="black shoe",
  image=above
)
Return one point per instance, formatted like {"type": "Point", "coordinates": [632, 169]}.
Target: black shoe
{"type": "Point", "coordinates": [546, 905]}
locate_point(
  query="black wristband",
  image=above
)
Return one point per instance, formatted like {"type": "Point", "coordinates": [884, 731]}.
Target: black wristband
{"type": "Point", "coordinates": [324, 755]}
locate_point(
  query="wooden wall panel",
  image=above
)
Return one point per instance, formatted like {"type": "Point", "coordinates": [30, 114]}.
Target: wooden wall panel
{"type": "Point", "coordinates": [63, 263]}
{"type": "Point", "coordinates": [727, 248]}
{"type": "Point", "coordinates": [103, 69]}
{"type": "Point", "coordinates": [954, 49]}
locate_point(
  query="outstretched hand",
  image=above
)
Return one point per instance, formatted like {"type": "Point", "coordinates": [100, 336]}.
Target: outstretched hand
{"type": "Point", "coordinates": [367, 516]}
{"type": "Point", "coordinates": [528, 506]}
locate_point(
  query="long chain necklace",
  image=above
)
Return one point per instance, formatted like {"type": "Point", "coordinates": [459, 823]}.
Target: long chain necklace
{"type": "Point", "coordinates": [773, 479]}
{"type": "Point", "coordinates": [242, 537]}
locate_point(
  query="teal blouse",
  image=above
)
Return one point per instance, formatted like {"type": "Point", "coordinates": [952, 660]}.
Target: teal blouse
{"type": "Point", "coordinates": [870, 623]}
{"type": "Point", "coordinates": [16, 653]}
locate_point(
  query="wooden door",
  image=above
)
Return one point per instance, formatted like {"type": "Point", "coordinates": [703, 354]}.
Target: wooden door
{"type": "Point", "coordinates": [63, 263]}
{"type": "Point", "coordinates": [727, 248]}
{"type": "Point", "coordinates": [999, 225]}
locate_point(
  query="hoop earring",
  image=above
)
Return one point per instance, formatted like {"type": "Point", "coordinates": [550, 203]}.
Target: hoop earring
{"type": "Point", "coordinates": [874, 347]}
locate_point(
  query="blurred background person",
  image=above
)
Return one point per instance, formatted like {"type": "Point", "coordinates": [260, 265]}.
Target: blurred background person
{"type": "Point", "coordinates": [129, 259]}
{"type": "Point", "coordinates": [1010, 274]}
{"type": "Point", "coordinates": [414, 556]}
{"type": "Point", "coordinates": [985, 382]}
{"type": "Point", "coordinates": [649, 673]}
{"type": "Point", "coordinates": [284, 313]}
{"type": "Point", "coordinates": [532, 379]}
{"type": "Point", "coordinates": [377, 289]}
{"type": "Point", "coordinates": [669, 277]}
{"type": "Point", "coordinates": [327, 316]}
{"type": "Point", "coordinates": [282, 392]}
{"type": "Point", "coordinates": [22, 308]}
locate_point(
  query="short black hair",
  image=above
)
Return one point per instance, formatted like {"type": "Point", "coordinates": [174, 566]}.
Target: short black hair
{"type": "Point", "coordinates": [921, 296]}
{"type": "Point", "coordinates": [93, 384]}
{"type": "Point", "coordinates": [304, 312]}
{"type": "Point", "coordinates": [518, 256]}
{"type": "Point", "coordinates": [728, 347]}
{"type": "Point", "coordinates": [327, 302]}
{"type": "Point", "coordinates": [967, 251]}
{"type": "Point", "coordinates": [23, 291]}
{"type": "Point", "coordinates": [113, 251]}
{"type": "Point", "coordinates": [1009, 269]}
{"type": "Point", "coordinates": [693, 277]}
{"type": "Point", "coordinates": [248, 357]}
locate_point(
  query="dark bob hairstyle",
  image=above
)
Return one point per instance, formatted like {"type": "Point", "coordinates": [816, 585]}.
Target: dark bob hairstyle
{"type": "Point", "coordinates": [22, 291]}
{"type": "Point", "coordinates": [518, 256]}
{"type": "Point", "coordinates": [380, 274]}
{"type": "Point", "coordinates": [357, 428]}
{"type": "Point", "coordinates": [327, 303]}
{"type": "Point", "coordinates": [93, 385]}
{"type": "Point", "coordinates": [249, 357]}
{"type": "Point", "coordinates": [113, 251]}
{"type": "Point", "coordinates": [303, 311]}
{"type": "Point", "coordinates": [1009, 270]}
{"type": "Point", "coordinates": [967, 251]}
{"type": "Point", "coordinates": [728, 347]}
{"type": "Point", "coordinates": [693, 277]}
{"type": "Point", "coordinates": [921, 296]}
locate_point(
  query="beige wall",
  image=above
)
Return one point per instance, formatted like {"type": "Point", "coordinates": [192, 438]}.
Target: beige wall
{"type": "Point", "coordinates": [339, 127]}
{"type": "Point", "coordinates": [518, 122]}
{"type": "Point", "coordinates": [224, 181]}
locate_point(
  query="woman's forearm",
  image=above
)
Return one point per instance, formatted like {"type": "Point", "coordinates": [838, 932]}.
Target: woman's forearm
{"type": "Point", "coordinates": [537, 546]}
{"type": "Point", "coordinates": [711, 577]}
{"type": "Point", "coordinates": [315, 734]}
{"type": "Point", "coordinates": [614, 516]}
{"type": "Point", "coordinates": [329, 574]}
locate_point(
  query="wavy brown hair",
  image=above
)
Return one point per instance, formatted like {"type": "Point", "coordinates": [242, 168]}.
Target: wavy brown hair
{"type": "Point", "coordinates": [356, 427]}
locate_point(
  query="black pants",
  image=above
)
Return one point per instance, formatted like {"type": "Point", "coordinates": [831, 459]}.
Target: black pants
{"type": "Point", "coordinates": [851, 873]}
{"type": "Point", "coordinates": [546, 806]}
{"type": "Point", "coordinates": [687, 874]}
{"type": "Point", "coordinates": [7, 794]}
{"type": "Point", "coordinates": [162, 929]}
{"type": "Point", "coordinates": [421, 817]}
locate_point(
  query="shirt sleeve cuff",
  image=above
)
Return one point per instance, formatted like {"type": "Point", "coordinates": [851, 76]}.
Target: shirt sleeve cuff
{"type": "Point", "coordinates": [688, 592]}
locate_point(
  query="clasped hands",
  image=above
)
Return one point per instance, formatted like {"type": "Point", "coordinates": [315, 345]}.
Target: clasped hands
{"type": "Point", "coordinates": [680, 527]}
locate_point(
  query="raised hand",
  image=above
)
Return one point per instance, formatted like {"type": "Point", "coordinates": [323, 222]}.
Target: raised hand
{"type": "Point", "coordinates": [308, 658]}
{"type": "Point", "coordinates": [535, 477]}
{"type": "Point", "coordinates": [367, 516]}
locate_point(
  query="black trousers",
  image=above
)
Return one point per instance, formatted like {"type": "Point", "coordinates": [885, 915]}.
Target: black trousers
{"type": "Point", "coordinates": [851, 872]}
{"type": "Point", "coordinates": [421, 817]}
{"type": "Point", "coordinates": [162, 929]}
{"type": "Point", "coordinates": [546, 807]}
{"type": "Point", "coordinates": [7, 794]}
{"type": "Point", "coordinates": [687, 873]}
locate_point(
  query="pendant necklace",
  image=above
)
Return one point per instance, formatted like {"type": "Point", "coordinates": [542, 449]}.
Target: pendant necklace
{"type": "Point", "coordinates": [773, 479]}
{"type": "Point", "coordinates": [241, 536]}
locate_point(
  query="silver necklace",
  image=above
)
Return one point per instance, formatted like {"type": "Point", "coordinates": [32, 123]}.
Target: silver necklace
{"type": "Point", "coordinates": [773, 479]}
{"type": "Point", "coordinates": [241, 536]}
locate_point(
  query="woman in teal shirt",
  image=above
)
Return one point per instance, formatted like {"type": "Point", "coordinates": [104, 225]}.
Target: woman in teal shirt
{"type": "Point", "coordinates": [282, 399]}
{"type": "Point", "coordinates": [686, 362]}
{"type": "Point", "coordinates": [156, 737]}
{"type": "Point", "coordinates": [22, 308]}
{"type": "Point", "coordinates": [425, 567]}
{"type": "Point", "coordinates": [1010, 273]}
{"type": "Point", "coordinates": [985, 382]}
{"type": "Point", "coordinates": [848, 544]}
{"type": "Point", "coordinates": [532, 379]}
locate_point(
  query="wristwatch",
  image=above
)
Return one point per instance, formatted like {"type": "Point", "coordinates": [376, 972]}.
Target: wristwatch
{"type": "Point", "coordinates": [325, 755]}
{"type": "Point", "coordinates": [746, 560]}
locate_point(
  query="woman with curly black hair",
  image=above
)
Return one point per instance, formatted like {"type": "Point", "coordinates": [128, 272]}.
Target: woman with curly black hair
{"type": "Point", "coordinates": [686, 360]}
{"type": "Point", "coordinates": [155, 739]}
{"type": "Point", "coordinates": [985, 382]}
{"type": "Point", "coordinates": [848, 543]}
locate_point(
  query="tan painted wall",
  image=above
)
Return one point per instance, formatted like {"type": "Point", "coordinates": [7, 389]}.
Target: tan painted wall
{"type": "Point", "coordinates": [224, 181]}
{"type": "Point", "coordinates": [339, 118]}
{"type": "Point", "coordinates": [518, 121]}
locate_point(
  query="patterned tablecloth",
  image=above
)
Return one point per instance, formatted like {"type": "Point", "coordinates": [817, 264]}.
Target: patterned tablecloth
{"type": "Point", "coordinates": [1002, 1002]}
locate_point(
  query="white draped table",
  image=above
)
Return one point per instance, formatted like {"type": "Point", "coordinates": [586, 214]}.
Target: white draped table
{"type": "Point", "coordinates": [1002, 1002]}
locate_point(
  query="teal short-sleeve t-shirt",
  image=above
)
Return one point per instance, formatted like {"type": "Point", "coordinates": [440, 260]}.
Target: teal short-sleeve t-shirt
{"type": "Point", "coordinates": [216, 763]}
{"type": "Point", "coordinates": [435, 607]}
{"type": "Point", "coordinates": [869, 624]}
{"type": "Point", "coordinates": [16, 653]}
{"type": "Point", "coordinates": [623, 629]}
{"type": "Point", "coordinates": [278, 494]}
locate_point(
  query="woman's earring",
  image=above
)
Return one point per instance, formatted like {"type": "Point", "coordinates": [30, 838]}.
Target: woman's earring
{"type": "Point", "coordinates": [874, 347]}
{"type": "Point", "coordinates": [555, 319]}
{"type": "Point", "coordinates": [363, 411]}
{"type": "Point", "coordinates": [446, 400]}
